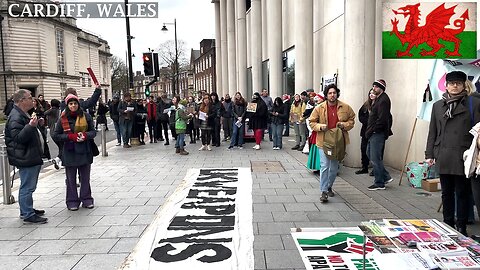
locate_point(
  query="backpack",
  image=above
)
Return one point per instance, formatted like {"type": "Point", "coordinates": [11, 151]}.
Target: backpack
{"type": "Point", "coordinates": [180, 124]}
{"type": "Point", "coordinates": [334, 144]}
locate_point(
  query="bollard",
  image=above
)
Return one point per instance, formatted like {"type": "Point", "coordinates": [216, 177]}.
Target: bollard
{"type": "Point", "coordinates": [104, 141]}
{"type": "Point", "coordinates": [7, 183]}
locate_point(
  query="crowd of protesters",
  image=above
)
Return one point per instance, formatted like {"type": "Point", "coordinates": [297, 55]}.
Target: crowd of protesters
{"type": "Point", "coordinates": [321, 124]}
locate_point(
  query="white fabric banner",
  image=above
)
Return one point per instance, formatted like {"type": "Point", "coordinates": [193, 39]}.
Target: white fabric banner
{"type": "Point", "coordinates": [205, 224]}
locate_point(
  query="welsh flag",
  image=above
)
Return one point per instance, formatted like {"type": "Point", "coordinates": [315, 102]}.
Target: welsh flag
{"type": "Point", "coordinates": [436, 86]}
{"type": "Point", "coordinates": [429, 30]}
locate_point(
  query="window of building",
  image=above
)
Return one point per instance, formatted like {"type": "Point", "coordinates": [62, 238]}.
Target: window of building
{"type": "Point", "coordinates": [63, 88]}
{"type": "Point", "coordinates": [265, 75]}
{"type": "Point", "coordinates": [249, 83]}
{"type": "Point", "coordinates": [84, 79]}
{"type": "Point", "coordinates": [248, 4]}
{"type": "Point", "coordinates": [59, 37]}
{"type": "Point", "coordinates": [289, 71]}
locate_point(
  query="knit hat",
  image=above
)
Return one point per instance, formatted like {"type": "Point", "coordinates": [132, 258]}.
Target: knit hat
{"type": "Point", "coordinates": [380, 84]}
{"type": "Point", "coordinates": [456, 76]}
{"type": "Point", "coordinates": [285, 97]}
{"type": "Point", "coordinates": [311, 94]}
{"type": "Point", "coordinates": [71, 97]}
{"type": "Point", "coordinates": [318, 97]}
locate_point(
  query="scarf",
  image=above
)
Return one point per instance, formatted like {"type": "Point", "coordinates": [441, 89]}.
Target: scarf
{"type": "Point", "coordinates": [452, 102]}
{"type": "Point", "coordinates": [80, 123]}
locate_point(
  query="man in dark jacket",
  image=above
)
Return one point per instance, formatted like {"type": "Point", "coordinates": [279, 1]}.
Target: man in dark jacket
{"type": "Point", "coordinates": [379, 128]}
{"type": "Point", "coordinates": [113, 108]}
{"type": "Point", "coordinates": [25, 148]}
{"type": "Point", "coordinates": [162, 117]}
{"type": "Point", "coordinates": [448, 138]}
{"type": "Point", "coordinates": [227, 118]}
{"type": "Point", "coordinates": [126, 112]}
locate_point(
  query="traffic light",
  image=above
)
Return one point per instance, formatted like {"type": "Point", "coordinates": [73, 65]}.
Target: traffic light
{"type": "Point", "coordinates": [148, 66]}
{"type": "Point", "coordinates": [147, 91]}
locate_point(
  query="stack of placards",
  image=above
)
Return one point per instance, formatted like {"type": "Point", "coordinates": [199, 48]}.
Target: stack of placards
{"type": "Point", "coordinates": [387, 244]}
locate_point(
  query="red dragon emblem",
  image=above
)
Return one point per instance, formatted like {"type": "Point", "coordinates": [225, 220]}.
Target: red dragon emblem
{"type": "Point", "coordinates": [435, 28]}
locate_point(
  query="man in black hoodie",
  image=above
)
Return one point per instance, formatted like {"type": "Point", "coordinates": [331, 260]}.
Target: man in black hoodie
{"type": "Point", "coordinates": [379, 128]}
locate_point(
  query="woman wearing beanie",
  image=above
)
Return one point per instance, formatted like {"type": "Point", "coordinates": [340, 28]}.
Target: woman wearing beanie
{"type": "Point", "coordinates": [75, 128]}
{"type": "Point", "coordinates": [448, 137]}
{"type": "Point", "coordinates": [181, 119]}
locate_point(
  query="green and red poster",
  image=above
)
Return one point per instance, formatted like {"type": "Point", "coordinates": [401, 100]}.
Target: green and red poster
{"type": "Point", "coordinates": [446, 30]}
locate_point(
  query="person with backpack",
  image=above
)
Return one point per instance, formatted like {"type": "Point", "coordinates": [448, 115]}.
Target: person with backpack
{"type": "Point", "coordinates": [180, 122]}
{"type": "Point", "coordinates": [379, 128]}
{"type": "Point", "coordinates": [331, 120]}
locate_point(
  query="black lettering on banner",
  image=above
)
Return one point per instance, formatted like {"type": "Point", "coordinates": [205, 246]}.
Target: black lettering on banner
{"type": "Point", "coordinates": [214, 183]}
{"type": "Point", "coordinates": [193, 237]}
{"type": "Point", "coordinates": [195, 193]}
{"type": "Point", "coordinates": [161, 253]}
{"type": "Point", "coordinates": [212, 210]}
{"type": "Point", "coordinates": [189, 221]}
{"type": "Point", "coordinates": [213, 192]}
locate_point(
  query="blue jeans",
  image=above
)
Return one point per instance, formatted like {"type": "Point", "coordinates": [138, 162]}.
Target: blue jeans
{"type": "Point", "coordinates": [277, 130]}
{"type": "Point", "coordinates": [28, 184]}
{"type": "Point", "coordinates": [180, 140]}
{"type": "Point", "coordinates": [117, 130]}
{"type": "Point", "coordinates": [237, 135]}
{"type": "Point", "coordinates": [375, 147]}
{"type": "Point", "coordinates": [126, 128]}
{"type": "Point", "coordinates": [328, 171]}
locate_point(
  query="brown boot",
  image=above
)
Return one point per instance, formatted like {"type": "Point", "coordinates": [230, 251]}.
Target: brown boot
{"type": "Point", "coordinates": [183, 152]}
{"type": "Point", "coordinates": [177, 150]}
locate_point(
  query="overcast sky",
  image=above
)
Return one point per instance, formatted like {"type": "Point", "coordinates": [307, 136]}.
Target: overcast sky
{"type": "Point", "coordinates": [195, 21]}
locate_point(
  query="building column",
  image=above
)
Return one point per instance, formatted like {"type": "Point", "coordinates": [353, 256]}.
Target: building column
{"type": "Point", "coordinates": [232, 66]}
{"type": "Point", "coordinates": [274, 35]}
{"type": "Point", "coordinates": [359, 29]}
{"type": "Point", "coordinates": [317, 46]}
{"type": "Point", "coordinates": [256, 45]}
{"type": "Point", "coordinates": [224, 54]}
{"type": "Point", "coordinates": [303, 45]}
{"type": "Point", "coordinates": [241, 48]}
{"type": "Point", "coordinates": [218, 47]}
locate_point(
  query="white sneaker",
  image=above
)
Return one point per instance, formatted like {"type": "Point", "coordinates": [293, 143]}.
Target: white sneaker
{"type": "Point", "coordinates": [256, 147]}
{"type": "Point", "coordinates": [202, 148]}
{"type": "Point", "coordinates": [209, 148]}
{"type": "Point", "coordinates": [389, 181]}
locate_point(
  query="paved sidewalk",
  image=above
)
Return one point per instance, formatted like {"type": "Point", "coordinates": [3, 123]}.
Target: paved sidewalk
{"type": "Point", "coordinates": [130, 186]}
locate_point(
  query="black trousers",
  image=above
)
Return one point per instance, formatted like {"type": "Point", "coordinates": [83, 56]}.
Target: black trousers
{"type": "Point", "coordinates": [162, 124]}
{"type": "Point", "coordinates": [460, 185]}
{"type": "Point", "coordinates": [363, 150]}
{"type": "Point", "coordinates": [152, 129]}
{"type": "Point", "coordinates": [140, 131]}
{"type": "Point", "coordinates": [206, 136]}
{"type": "Point", "coordinates": [216, 132]}
{"type": "Point", "coordinates": [173, 130]}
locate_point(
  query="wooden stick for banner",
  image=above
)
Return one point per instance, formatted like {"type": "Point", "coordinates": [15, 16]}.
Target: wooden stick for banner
{"type": "Point", "coordinates": [408, 150]}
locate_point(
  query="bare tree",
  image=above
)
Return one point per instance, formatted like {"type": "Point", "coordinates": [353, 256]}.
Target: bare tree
{"type": "Point", "coordinates": [167, 56]}
{"type": "Point", "coordinates": [119, 75]}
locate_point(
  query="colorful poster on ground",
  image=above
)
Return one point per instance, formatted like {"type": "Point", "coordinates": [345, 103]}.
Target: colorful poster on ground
{"type": "Point", "coordinates": [442, 30]}
{"type": "Point", "coordinates": [205, 224]}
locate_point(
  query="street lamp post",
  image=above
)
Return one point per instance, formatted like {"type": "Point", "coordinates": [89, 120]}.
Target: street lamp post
{"type": "Point", "coordinates": [175, 74]}
{"type": "Point", "coordinates": [3, 58]}
{"type": "Point", "coordinates": [129, 49]}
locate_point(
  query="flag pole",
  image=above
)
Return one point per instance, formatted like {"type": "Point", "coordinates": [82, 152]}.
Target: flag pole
{"type": "Point", "coordinates": [408, 150]}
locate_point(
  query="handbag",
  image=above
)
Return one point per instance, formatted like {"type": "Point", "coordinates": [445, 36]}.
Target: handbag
{"type": "Point", "coordinates": [94, 148]}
